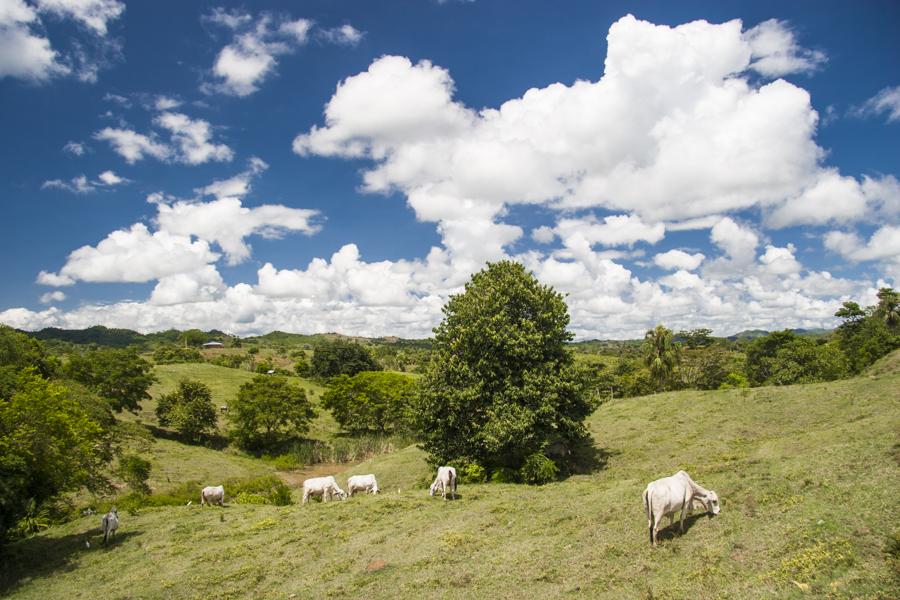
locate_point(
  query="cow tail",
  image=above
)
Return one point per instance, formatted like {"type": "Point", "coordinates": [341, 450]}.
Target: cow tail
{"type": "Point", "coordinates": [649, 508]}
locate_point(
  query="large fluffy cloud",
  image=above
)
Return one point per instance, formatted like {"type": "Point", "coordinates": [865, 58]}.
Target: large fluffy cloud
{"type": "Point", "coordinates": [680, 135]}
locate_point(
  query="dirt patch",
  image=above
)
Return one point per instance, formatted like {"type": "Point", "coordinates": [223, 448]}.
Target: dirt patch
{"type": "Point", "coordinates": [375, 565]}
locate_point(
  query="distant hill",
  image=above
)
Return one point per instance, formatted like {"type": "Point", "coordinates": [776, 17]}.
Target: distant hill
{"type": "Point", "coordinates": [752, 334]}
{"type": "Point", "coordinates": [99, 335]}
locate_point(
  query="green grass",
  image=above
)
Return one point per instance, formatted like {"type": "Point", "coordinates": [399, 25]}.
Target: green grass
{"type": "Point", "coordinates": [808, 477]}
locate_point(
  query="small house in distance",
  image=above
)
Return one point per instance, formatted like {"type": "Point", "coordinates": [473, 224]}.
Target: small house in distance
{"type": "Point", "coordinates": [213, 345]}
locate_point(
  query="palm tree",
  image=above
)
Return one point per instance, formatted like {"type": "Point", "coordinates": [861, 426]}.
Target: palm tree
{"type": "Point", "coordinates": [889, 306]}
{"type": "Point", "coordinates": [661, 354]}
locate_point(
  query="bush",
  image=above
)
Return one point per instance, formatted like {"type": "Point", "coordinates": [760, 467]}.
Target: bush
{"type": "Point", "coordinates": [538, 470]}
{"type": "Point", "coordinates": [120, 376]}
{"type": "Point", "coordinates": [232, 361]}
{"type": "Point", "coordinates": [135, 471]}
{"type": "Point", "coordinates": [734, 380]}
{"type": "Point", "coordinates": [471, 472]}
{"type": "Point", "coordinates": [259, 490]}
{"type": "Point", "coordinates": [189, 410]}
{"type": "Point", "coordinates": [504, 475]}
{"type": "Point", "coordinates": [165, 355]}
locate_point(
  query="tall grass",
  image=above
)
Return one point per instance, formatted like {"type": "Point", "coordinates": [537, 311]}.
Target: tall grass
{"type": "Point", "coordinates": [345, 449]}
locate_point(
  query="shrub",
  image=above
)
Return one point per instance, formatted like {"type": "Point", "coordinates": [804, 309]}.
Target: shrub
{"type": "Point", "coordinates": [504, 475]}
{"type": "Point", "coordinates": [176, 354]}
{"type": "Point", "coordinates": [470, 472]}
{"type": "Point", "coordinates": [734, 380]}
{"type": "Point", "coordinates": [538, 470]}
{"type": "Point", "coordinates": [135, 471]}
{"type": "Point", "coordinates": [189, 410]}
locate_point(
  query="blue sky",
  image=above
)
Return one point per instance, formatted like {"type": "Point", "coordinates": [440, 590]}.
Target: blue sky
{"type": "Point", "coordinates": [345, 166]}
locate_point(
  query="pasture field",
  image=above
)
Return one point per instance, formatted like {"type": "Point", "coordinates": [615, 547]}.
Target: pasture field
{"type": "Point", "coordinates": [808, 477]}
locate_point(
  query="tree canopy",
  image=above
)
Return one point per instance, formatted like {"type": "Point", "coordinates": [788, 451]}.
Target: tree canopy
{"type": "Point", "coordinates": [120, 376]}
{"type": "Point", "coordinates": [341, 357]}
{"type": "Point", "coordinates": [501, 385]}
{"type": "Point", "coordinates": [371, 401]}
{"type": "Point", "coordinates": [268, 408]}
{"type": "Point", "coordinates": [189, 410]}
{"type": "Point", "coordinates": [661, 355]}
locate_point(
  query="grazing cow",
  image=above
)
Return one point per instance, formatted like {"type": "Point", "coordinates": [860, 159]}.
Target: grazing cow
{"type": "Point", "coordinates": [326, 487]}
{"type": "Point", "coordinates": [446, 481]}
{"type": "Point", "coordinates": [212, 494]}
{"type": "Point", "coordinates": [671, 495]}
{"type": "Point", "coordinates": [109, 523]}
{"type": "Point", "coordinates": [362, 483]}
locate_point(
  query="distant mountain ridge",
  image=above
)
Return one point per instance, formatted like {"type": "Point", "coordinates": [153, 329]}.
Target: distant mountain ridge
{"type": "Point", "coordinates": [122, 338]}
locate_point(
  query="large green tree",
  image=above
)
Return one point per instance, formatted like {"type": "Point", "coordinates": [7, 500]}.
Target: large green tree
{"type": "Point", "coordinates": [867, 334]}
{"type": "Point", "coordinates": [341, 357]}
{"type": "Point", "coordinates": [267, 409]}
{"type": "Point", "coordinates": [661, 355]}
{"type": "Point", "coordinates": [50, 443]}
{"type": "Point", "coordinates": [371, 401]}
{"type": "Point", "coordinates": [501, 386]}
{"type": "Point", "coordinates": [120, 376]}
{"type": "Point", "coordinates": [189, 410]}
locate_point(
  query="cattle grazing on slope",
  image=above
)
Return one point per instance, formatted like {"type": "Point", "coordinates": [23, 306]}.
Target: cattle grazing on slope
{"type": "Point", "coordinates": [326, 487]}
{"type": "Point", "coordinates": [446, 481]}
{"type": "Point", "coordinates": [213, 495]}
{"type": "Point", "coordinates": [671, 495]}
{"type": "Point", "coordinates": [362, 483]}
{"type": "Point", "coordinates": [109, 523]}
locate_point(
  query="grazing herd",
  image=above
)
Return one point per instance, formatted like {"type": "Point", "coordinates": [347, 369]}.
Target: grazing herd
{"type": "Point", "coordinates": [669, 496]}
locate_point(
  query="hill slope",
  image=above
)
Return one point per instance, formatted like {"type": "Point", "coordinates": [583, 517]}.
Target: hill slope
{"type": "Point", "coordinates": [808, 477]}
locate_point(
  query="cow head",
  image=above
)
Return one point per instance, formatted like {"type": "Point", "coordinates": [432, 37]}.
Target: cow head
{"type": "Point", "coordinates": [711, 500]}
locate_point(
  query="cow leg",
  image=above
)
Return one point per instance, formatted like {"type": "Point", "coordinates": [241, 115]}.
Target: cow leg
{"type": "Point", "coordinates": [683, 513]}
{"type": "Point", "coordinates": [305, 496]}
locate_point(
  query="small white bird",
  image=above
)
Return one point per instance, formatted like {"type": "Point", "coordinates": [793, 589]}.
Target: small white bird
{"type": "Point", "coordinates": [87, 544]}
{"type": "Point", "coordinates": [189, 502]}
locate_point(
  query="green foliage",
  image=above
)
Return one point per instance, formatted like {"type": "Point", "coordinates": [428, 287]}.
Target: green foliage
{"type": "Point", "coordinates": [538, 470]}
{"type": "Point", "coordinates": [704, 369]}
{"type": "Point", "coordinates": [49, 444]}
{"type": "Point", "coordinates": [267, 409]}
{"type": "Point", "coordinates": [232, 361]}
{"type": "Point", "coordinates": [470, 472]}
{"type": "Point", "coordinates": [661, 355]}
{"type": "Point", "coordinates": [504, 475]}
{"type": "Point", "coordinates": [259, 490]}
{"type": "Point", "coordinates": [18, 352]}
{"type": "Point", "coordinates": [120, 376]}
{"type": "Point", "coordinates": [166, 355]}
{"type": "Point", "coordinates": [135, 471]}
{"type": "Point", "coordinates": [302, 367]}
{"type": "Point", "coordinates": [189, 410]}
{"type": "Point", "coordinates": [734, 380]}
{"type": "Point", "coordinates": [501, 385]}
{"type": "Point", "coordinates": [783, 358]}
{"type": "Point", "coordinates": [868, 334]}
{"type": "Point", "coordinates": [345, 449]}
{"type": "Point", "coordinates": [695, 338]}
{"type": "Point", "coordinates": [371, 401]}
{"type": "Point", "coordinates": [264, 366]}
{"type": "Point", "coordinates": [341, 357]}
{"type": "Point", "coordinates": [193, 337]}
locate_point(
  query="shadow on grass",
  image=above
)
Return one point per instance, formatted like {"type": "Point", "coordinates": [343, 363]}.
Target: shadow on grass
{"type": "Point", "coordinates": [41, 556]}
{"type": "Point", "coordinates": [588, 458]}
{"type": "Point", "coordinates": [215, 441]}
{"type": "Point", "coordinates": [672, 531]}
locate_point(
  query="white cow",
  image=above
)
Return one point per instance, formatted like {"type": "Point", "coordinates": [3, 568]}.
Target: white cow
{"type": "Point", "coordinates": [446, 481]}
{"type": "Point", "coordinates": [670, 495]}
{"type": "Point", "coordinates": [213, 494]}
{"type": "Point", "coordinates": [109, 523]}
{"type": "Point", "coordinates": [362, 483]}
{"type": "Point", "coordinates": [326, 487]}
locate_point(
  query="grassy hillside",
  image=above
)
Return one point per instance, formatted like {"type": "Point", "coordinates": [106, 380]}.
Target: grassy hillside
{"type": "Point", "coordinates": [808, 477]}
{"type": "Point", "coordinates": [225, 383]}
